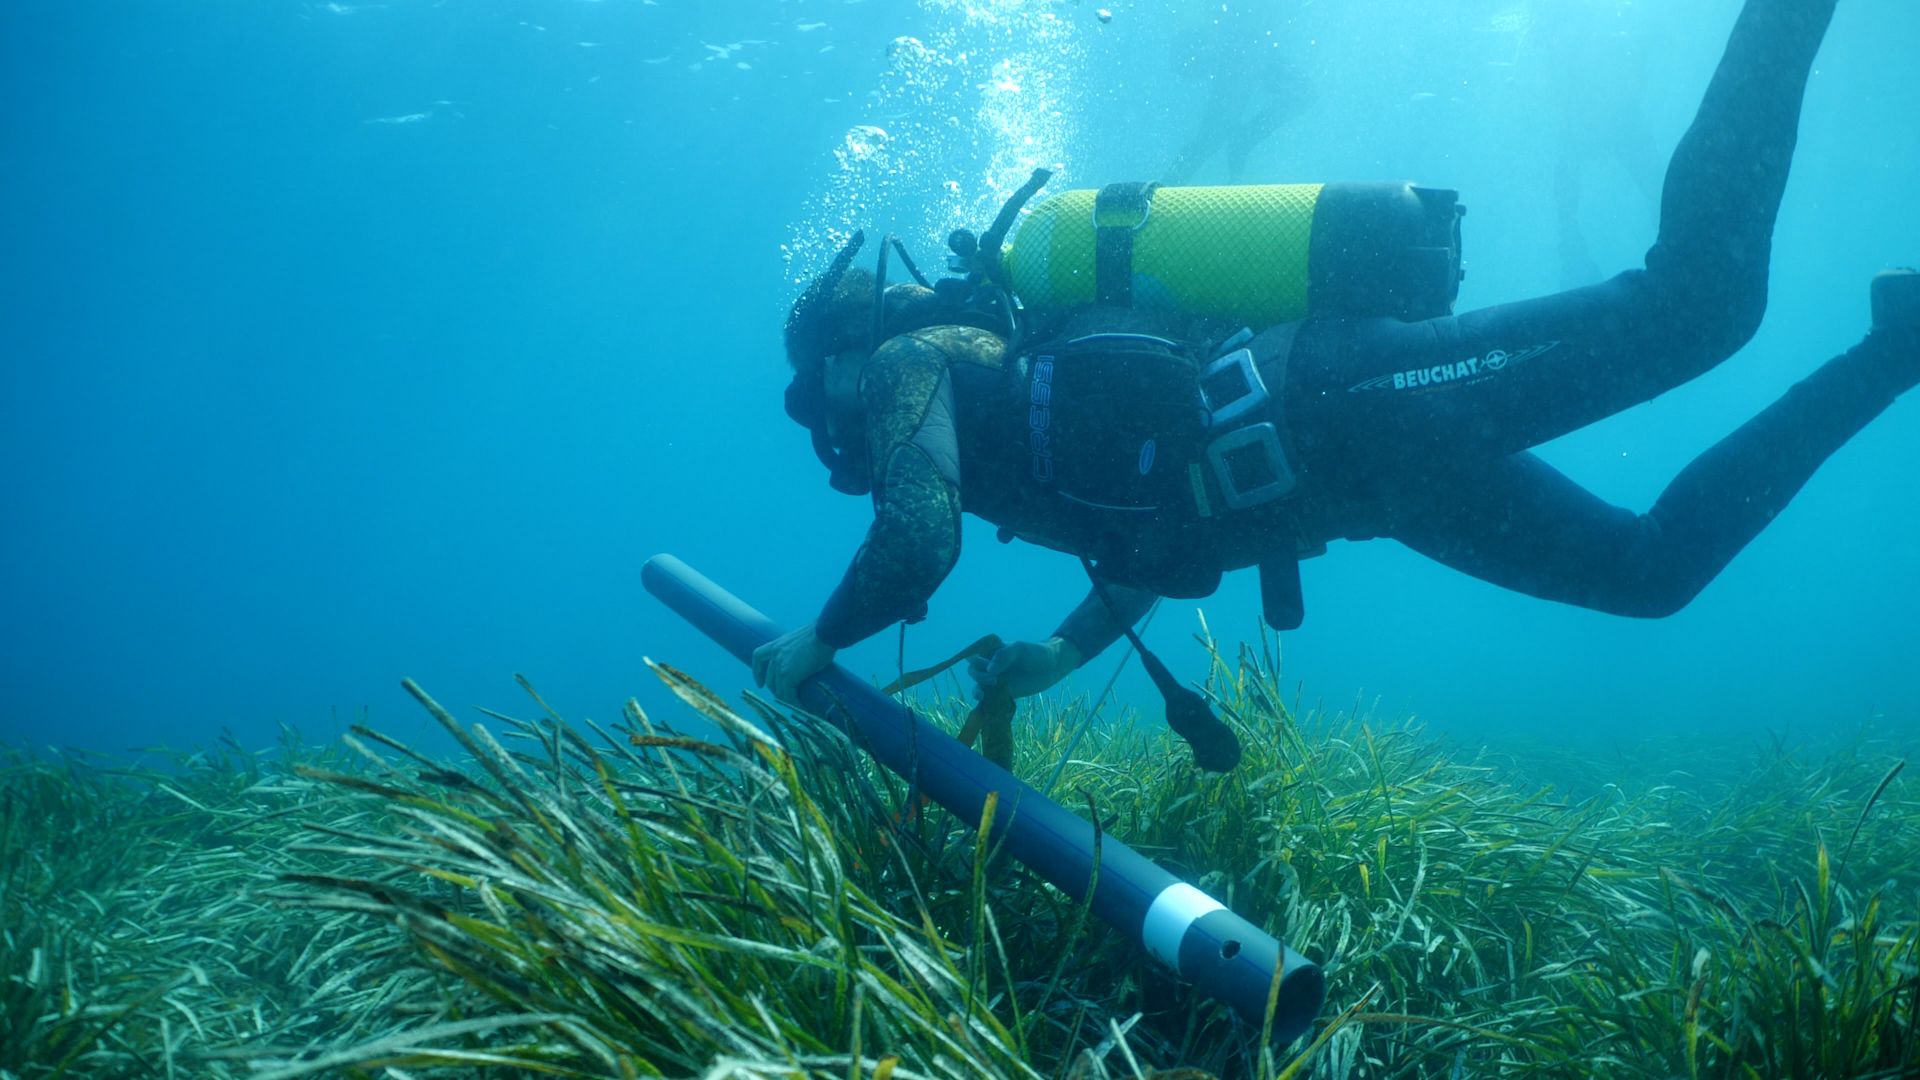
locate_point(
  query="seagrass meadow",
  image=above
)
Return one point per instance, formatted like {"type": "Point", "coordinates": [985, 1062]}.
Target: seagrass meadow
{"type": "Point", "coordinates": [741, 893]}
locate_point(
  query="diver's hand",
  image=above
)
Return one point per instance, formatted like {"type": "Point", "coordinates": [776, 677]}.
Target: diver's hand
{"type": "Point", "coordinates": [1025, 667]}
{"type": "Point", "coordinates": [782, 664]}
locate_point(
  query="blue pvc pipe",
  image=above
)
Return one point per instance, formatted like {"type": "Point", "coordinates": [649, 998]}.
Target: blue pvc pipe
{"type": "Point", "coordinates": [1224, 955]}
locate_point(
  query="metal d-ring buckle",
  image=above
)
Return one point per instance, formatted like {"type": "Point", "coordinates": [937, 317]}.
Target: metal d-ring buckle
{"type": "Point", "coordinates": [1263, 438]}
{"type": "Point", "coordinates": [1251, 394]}
{"type": "Point", "coordinates": [1123, 198]}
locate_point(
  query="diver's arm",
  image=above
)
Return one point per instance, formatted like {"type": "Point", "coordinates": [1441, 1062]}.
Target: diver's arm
{"type": "Point", "coordinates": [915, 538]}
{"type": "Point", "coordinates": [1096, 624]}
{"type": "Point", "coordinates": [1028, 667]}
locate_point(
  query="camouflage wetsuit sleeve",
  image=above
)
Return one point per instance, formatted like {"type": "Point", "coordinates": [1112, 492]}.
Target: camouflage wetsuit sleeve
{"type": "Point", "coordinates": [913, 449]}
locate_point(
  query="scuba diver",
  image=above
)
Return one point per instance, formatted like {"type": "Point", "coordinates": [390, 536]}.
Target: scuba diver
{"type": "Point", "coordinates": [1596, 63]}
{"type": "Point", "coordinates": [1090, 440]}
{"type": "Point", "coordinates": [1253, 89]}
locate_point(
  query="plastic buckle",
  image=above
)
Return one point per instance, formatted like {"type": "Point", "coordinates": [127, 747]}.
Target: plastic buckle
{"type": "Point", "coordinates": [1263, 440]}
{"type": "Point", "coordinates": [1231, 387]}
{"type": "Point", "coordinates": [1240, 337]}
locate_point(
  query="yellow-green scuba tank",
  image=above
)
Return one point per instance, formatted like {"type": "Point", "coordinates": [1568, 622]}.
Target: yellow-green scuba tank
{"type": "Point", "coordinates": [1253, 255]}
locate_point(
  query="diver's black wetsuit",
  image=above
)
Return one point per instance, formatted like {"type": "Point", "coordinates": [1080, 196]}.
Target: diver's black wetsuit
{"type": "Point", "coordinates": [1420, 431]}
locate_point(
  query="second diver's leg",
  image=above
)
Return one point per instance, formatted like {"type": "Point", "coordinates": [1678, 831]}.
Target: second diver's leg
{"type": "Point", "coordinates": [1576, 262]}
{"type": "Point", "coordinates": [1215, 128]}
{"type": "Point", "coordinates": [1518, 523]}
{"type": "Point", "coordinates": [1502, 379]}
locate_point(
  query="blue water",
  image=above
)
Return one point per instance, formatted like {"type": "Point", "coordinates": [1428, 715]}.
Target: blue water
{"type": "Point", "coordinates": [351, 342]}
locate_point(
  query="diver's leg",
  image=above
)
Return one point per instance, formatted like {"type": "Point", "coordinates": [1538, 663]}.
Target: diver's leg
{"type": "Point", "coordinates": [1520, 524]}
{"type": "Point", "coordinates": [1502, 379]}
{"type": "Point", "coordinates": [1255, 130]}
{"type": "Point", "coordinates": [1215, 128]}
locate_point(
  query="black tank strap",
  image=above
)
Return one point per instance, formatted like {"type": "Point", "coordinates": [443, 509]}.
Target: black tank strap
{"type": "Point", "coordinates": [1119, 211]}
